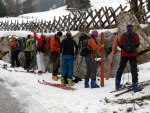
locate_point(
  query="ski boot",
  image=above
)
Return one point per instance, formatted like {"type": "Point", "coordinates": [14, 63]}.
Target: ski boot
{"type": "Point", "coordinates": [63, 81]}
{"type": "Point", "coordinates": [86, 84]}
{"type": "Point", "coordinates": [93, 84]}
{"type": "Point", "coordinates": [117, 84]}
{"type": "Point", "coordinates": [70, 82]}
{"type": "Point", "coordinates": [137, 87]}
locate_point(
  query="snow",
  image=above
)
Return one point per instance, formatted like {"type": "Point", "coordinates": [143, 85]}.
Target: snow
{"type": "Point", "coordinates": [39, 98]}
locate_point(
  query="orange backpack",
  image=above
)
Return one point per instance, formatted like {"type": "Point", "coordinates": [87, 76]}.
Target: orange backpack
{"type": "Point", "coordinates": [13, 43]}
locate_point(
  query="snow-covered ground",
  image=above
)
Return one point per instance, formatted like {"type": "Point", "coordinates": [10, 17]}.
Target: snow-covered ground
{"type": "Point", "coordinates": [38, 98]}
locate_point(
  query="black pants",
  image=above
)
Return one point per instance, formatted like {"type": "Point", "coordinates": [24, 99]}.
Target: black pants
{"type": "Point", "coordinates": [14, 58]}
{"type": "Point", "coordinates": [56, 62]}
{"type": "Point", "coordinates": [133, 65]}
{"type": "Point", "coordinates": [27, 59]}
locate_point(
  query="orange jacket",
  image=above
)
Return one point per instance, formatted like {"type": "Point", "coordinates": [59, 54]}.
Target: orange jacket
{"type": "Point", "coordinates": [55, 44]}
{"type": "Point", "coordinates": [93, 45]}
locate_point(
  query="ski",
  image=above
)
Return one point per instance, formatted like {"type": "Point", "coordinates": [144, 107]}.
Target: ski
{"type": "Point", "coordinates": [131, 89]}
{"type": "Point", "coordinates": [56, 85]}
{"type": "Point", "coordinates": [128, 86]}
{"type": "Point", "coordinates": [124, 87]}
{"type": "Point", "coordinates": [111, 57]}
{"type": "Point", "coordinates": [32, 72]}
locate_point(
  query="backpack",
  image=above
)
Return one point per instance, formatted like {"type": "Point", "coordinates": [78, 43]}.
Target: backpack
{"type": "Point", "coordinates": [45, 46]}
{"type": "Point", "coordinates": [83, 45]}
{"type": "Point", "coordinates": [129, 44]}
{"type": "Point", "coordinates": [16, 44]}
{"type": "Point", "coordinates": [13, 43]}
{"type": "Point", "coordinates": [20, 45]}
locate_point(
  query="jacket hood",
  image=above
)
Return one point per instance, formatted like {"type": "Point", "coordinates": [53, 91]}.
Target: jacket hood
{"type": "Point", "coordinates": [42, 36]}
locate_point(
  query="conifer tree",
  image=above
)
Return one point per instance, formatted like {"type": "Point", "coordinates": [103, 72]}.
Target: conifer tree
{"type": "Point", "coordinates": [2, 9]}
{"type": "Point", "coordinates": [148, 5]}
{"type": "Point", "coordinates": [78, 4]}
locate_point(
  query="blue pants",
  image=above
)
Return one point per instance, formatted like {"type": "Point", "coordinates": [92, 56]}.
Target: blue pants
{"type": "Point", "coordinates": [67, 64]}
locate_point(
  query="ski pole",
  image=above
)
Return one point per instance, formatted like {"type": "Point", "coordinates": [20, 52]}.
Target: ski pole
{"type": "Point", "coordinates": [102, 61]}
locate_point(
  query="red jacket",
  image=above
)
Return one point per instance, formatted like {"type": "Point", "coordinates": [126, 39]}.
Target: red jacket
{"type": "Point", "coordinates": [123, 53]}
{"type": "Point", "coordinates": [39, 39]}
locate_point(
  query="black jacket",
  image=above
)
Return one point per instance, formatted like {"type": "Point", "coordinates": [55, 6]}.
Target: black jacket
{"type": "Point", "coordinates": [67, 47]}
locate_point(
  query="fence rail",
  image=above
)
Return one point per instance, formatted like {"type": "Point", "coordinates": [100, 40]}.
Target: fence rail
{"type": "Point", "coordinates": [104, 17]}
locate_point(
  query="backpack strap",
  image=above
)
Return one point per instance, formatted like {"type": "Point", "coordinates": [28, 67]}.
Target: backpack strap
{"type": "Point", "coordinates": [126, 33]}
{"type": "Point", "coordinates": [28, 44]}
{"type": "Point", "coordinates": [90, 49]}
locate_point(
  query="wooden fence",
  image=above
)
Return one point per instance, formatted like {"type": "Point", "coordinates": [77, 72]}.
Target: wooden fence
{"type": "Point", "coordinates": [104, 17]}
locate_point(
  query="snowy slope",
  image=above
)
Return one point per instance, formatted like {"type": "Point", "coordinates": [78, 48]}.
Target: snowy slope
{"type": "Point", "coordinates": [38, 98]}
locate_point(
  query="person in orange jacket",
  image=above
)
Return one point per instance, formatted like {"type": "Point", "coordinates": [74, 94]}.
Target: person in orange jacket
{"type": "Point", "coordinates": [90, 60]}
{"type": "Point", "coordinates": [14, 52]}
{"type": "Point", "coordinates": [55, 56]}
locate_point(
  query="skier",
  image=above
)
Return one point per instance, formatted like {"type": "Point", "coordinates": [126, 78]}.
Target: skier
{"type": "Point", "coordinates": [68, 56]}
{"type": "Point", "coordinates": [90, 60]}
{"type": "Point", "coordinates": [28, 50]}
{"type": "Point", "coordinates": [55, 57]}
{"type": "Point", "coordinates": [131, 57]}
{"type": "Point", "coordinates": [14, 52]}
{"type": "Point", "coordinates": [39, 52]}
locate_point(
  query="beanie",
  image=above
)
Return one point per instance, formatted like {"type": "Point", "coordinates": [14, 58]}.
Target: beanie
{"type": "Point", "coordinates": [59, 33]}
{"type": "Point", "coordinates": [94, 32]}
{"type": "Point", "coordinates": [129, 27]}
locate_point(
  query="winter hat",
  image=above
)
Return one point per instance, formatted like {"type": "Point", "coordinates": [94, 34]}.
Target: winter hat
{"type": "Point", "coordinates": [94, 33]}
{"type": "Point", "coordinates": [129, 27]}
{"type": "Point", "coordinates": [59, 33]}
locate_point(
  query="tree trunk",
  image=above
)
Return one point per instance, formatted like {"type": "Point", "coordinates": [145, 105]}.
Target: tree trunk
{"type": "Point", "coordinates": [134, 6]}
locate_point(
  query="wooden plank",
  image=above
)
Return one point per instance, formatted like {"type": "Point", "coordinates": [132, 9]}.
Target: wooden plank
{"type": "Point", "coordinates": [113, 14]}
{"type": "Point", "coordinates": [111, 57]}
{"type": "Point", "coordinates": [106, 15]}
{"type": "Point", "coordinates": [93, 21]}
{"type": "Point", "coordinates": [90, 15]}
